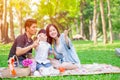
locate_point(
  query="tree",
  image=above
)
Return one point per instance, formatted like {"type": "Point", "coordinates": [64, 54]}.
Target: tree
{"type": "Point", "coordinates": [12, 36]}
{"type": "Point", "coordinates": [5, 25]}
{"type": "Point", "coordinates": [103, 22]}
{"type": "Point", "coordinates": [21, 12]}
{"type": "Point", "coordinates": [1, 19]}
{"type": "Point", "coordinates": [94, 22]}
{"type": "Point", "coordinates": [58, 12]}
{"type": "Point", "coordinates": [110, 23]}
{"type": "Point", "coordinates": [76, 25]}
{"type": "Point", "coordinates": [20, 17]}
{"type": "Point", "coordinates": [81, 18]}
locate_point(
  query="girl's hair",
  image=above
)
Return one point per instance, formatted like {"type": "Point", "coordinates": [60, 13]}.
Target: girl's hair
{"type": "Point", "coordinates": [42, 31]}
{"type": "Point", "coordinates": [50, 39]}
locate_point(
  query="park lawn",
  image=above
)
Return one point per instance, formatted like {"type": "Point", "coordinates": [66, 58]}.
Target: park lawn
{"type": "Point", "coordinates": [88, 54]}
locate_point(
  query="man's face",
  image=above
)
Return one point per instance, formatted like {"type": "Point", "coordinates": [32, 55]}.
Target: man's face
{"type": "Point", "coordinates": [32, 29]}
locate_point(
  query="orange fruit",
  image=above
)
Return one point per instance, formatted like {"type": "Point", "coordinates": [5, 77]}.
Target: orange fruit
{"type": "Point", "coordinates": [61, 69]}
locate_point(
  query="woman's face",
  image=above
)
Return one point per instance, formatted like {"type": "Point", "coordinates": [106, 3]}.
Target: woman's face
{"type": "Point", "coordinates": [53, 32]}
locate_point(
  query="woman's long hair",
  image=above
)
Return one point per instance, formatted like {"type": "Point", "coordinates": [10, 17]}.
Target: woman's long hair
{"type": "Point", "coordinates": [50, 39]}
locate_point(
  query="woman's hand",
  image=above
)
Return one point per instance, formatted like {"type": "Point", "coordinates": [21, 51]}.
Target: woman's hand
{"type": "Point", "coordinates": [66, 36]}
{"type": "Point", "coordinates": [66, 33]}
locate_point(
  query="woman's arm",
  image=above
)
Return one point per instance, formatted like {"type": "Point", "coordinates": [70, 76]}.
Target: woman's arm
{"type": "Point", "coordinates": [66, 38]}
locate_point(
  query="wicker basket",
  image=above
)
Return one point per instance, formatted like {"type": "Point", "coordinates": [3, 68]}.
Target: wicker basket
{"type": "Point", "coordinates": [20, 72]}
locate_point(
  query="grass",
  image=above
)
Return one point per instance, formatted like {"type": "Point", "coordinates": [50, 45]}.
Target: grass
{"type": "Point", "coordinates": [88, 54]}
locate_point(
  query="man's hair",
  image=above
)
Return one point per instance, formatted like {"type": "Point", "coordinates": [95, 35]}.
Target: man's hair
{"type": "Point", "coordinates": [29, 22]}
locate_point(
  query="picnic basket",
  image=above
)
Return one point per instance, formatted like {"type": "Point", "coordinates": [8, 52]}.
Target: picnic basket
{"type": "Point", "coordinates": [20, 71]}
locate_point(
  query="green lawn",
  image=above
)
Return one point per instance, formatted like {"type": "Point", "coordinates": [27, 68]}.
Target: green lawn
{"type": "Point", "coordinates": [88, 54]}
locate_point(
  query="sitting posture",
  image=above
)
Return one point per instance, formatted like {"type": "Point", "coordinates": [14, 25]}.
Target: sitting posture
{"type": "Point", "coordinates": [23, 44]}
{"type": "Point", "coordinates": [43, 63]}
{"type": "Point", "coordinates": [65, 54]}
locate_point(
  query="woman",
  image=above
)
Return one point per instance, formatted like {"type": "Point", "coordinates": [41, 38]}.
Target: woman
{"type": "Point", "coordinates": [65, 54]}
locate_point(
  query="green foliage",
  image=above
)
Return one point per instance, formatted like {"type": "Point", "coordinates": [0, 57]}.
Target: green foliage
{"type": "Point", "coordinates": [88, 54]}
{"type": "Point", "coordinates": [115, 15]}
{"type": "Point", "coordinates": [63, 12]}
{"type": "Point", "coordinates": [21, 5]}
{"type": "Point", "coordinates": [59, 11]}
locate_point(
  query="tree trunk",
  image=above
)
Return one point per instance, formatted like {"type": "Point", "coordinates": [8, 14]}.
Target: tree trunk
{"type": "Point", "coordinates": [94, 23]}
{"type": "Point", "coordinates": [20, 18]}
{"type": "Point", "coordinates": [90, 30]}
{"type": "Point", "coordinates": [97, 21]}
{"type": "Point", "coordinates": [81, 19]}
{"type": "Point", "coordinates": [0, 30]}
{"type": "Point", "coordinates": [5, 22]}
{"type": "Point", "coordinates": [12, 37]}
{"type": "Point", "coordinates": [110, 23]}
{"type": "Point", "coordinates": [76, 25]}
{"type": "Point", "coordinates": [20, 22]}
{"type": "Point", "coordinates": [1, 19]}
{"type": "Point", "coordinates": [103, 22]}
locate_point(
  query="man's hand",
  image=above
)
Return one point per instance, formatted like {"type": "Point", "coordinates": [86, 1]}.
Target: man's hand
{"type": "Point", "coordinates": [35, 43]}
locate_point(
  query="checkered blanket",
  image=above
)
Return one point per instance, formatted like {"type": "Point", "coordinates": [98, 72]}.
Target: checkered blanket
{"type": "Point", "coordinates": [90, 69]}
{"type": "Point", "coordinates": [87, 69]}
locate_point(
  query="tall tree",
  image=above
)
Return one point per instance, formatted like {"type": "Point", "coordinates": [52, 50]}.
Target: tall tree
{"type": "Point", "coordinates": [103, 22]}
{"type": "Point", "coordinates": [81, 18]}
{"type": "Point", "coordinates": [1, 19]}
{"type": "Point", "coordinates": [94, 22]}
{"type": "Point", "coordinates": [76, 25]}
{"type": "Point", "coordinates": [58, 11]}
{"type": "Point", "coordinates": [12, 36]}
{"type": "Point", "coordinates": [22, 12]}
{"type": "Point", "coordinates": [110, 23]}
{"type": "Point", "coordinates": [20, 18]}
{"type": "Point", "coordinates": [5, 26]}
{"type": "Point", "coordinates": [90, 30]}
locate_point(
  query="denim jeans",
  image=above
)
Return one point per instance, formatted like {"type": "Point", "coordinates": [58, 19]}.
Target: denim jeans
{"type": "Point", "coordinates": [38, 66]}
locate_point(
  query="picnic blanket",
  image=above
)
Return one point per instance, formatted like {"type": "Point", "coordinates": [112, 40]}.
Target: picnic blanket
{"type": "Point", "coordinates": [86, 69]}
{"type": "Point", "coordinates": [89, 69]}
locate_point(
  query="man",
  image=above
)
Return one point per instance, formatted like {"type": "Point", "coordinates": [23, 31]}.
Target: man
{"type": "Point", "coordinates": [23, 44]}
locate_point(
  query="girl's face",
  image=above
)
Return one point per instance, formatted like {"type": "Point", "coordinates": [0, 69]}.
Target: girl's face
{"type": "Point", "coordinates": [42, 37]}
{"type": "Point", "coordinates": [53, 32]}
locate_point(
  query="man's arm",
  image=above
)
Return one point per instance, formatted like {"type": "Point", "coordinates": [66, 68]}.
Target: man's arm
{"type": "Point", "coordinates": [21, 51]}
